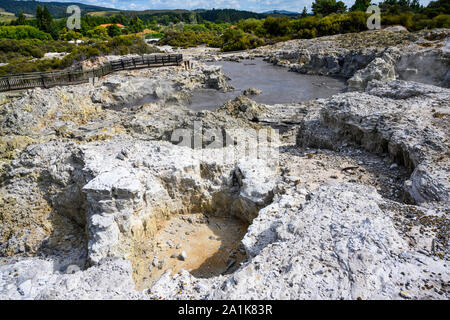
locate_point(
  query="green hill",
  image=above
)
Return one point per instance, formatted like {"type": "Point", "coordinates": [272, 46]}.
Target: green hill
{"type": "Point", "coordinates": [174, 16]}
{"type": "Point", "coordinates": [57, 9]}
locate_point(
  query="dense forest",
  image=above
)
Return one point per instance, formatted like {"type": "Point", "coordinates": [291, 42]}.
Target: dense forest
{"type": "Point", "coordinates": [229, 15]}
{"type": "Point", "coordinates": [57, 9]}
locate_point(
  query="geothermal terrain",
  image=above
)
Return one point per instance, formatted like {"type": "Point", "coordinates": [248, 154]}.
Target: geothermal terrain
{"type": "Point", "coordinates": [135, 187]}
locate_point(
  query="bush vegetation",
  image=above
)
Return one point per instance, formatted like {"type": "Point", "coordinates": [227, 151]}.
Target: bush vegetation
{"type": "Point", "coordinates": [19, 52]}
{"type": "Point", "coordinates": [190, 38]}
{"type": "Point", "coordinates": [30, 48]}
{"type": "Point", "coordinates": [23, 32]}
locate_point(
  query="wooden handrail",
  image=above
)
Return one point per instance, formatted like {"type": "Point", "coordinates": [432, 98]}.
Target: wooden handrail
{"type": "Point", "coordinates": [32, 80]}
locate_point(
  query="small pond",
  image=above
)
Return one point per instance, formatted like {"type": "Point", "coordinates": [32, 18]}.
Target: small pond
{"type": "Point", "coordinates": [278, 85]}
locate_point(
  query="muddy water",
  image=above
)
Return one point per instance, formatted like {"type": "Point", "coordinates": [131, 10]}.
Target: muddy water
{"type": "Point", "coordinates": [211, 245]}
{"type": "Point", "coordinates": [278, 85]}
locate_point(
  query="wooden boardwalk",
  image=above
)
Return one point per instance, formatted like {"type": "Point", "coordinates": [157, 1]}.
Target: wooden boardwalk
{"type": "Point", "coordinates": [50, 79]}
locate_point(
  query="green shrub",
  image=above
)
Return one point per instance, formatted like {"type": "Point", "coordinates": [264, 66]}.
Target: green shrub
{"type": "Point", "coordinates": [326, 7]}
{"type": "Point", "coordinates": [329, 25]}
{"type": "Point", "coordinates": [114, 30]}
{"type": "Point", "coordinates": [154, 35]}
{"type": "Point", "coordinates": [190, 38]}
{"type": "Point", "coordinates": [70, 35]}
{"type": "Point", "coordinates": [313, 26]}
{"type": "Point", "coordinates": [98, 33]}
{"type": "Point", "coordinates": [277, 26]}
{"type": "Point", "coordinates": [404, 19]}
{"type": "Point", "coordinates": [23, 32]}
{"type": "Point", "coordinates": [254, 26]}
{"type": "Point", "coordinates": [236, 39]}
{"type": "Point", "coordinates": [11, 49]}
{"type": "Point", "coordinates": [355, 21]}
{"type": "Point", "coordinates": [442, 21]}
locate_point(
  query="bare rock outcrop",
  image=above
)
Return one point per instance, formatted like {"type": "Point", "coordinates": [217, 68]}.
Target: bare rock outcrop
{"type": "Point", "coordinates": [347, 198]}
{"type": "Point", "coordinates": [243, 107]}
{"type": "Point", "coordinates": [251, 92]}
{"type": "Point", "coordinates": [321, 248]}
{"type": "Point", "coordinates": [384, 120]}
{"type": "Point", "coordinates": [36, 279]}
{"type": "Point", "coordinates": [382, 55]}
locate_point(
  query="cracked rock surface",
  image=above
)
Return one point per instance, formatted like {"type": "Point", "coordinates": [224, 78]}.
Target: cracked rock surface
{"type": "Point", "coordinates": [107, 191]}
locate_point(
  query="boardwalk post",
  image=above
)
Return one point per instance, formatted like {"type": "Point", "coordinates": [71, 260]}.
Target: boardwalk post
{"type": "Point", "coordinates": [9, 84]}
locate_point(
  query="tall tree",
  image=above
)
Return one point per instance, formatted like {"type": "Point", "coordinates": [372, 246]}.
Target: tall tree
{"type": "Point", "coordinates": [400, 6]}
{"type": "Point", "coordinates": [136, 25]}
{"type": "Point", "coordinates": [114, 30]}
{"type": "Point", "coordinates": [21, 20]}
{"type": "Point", "coordinates": [360, 5]}
{"type": "Point", "coordinates": [47, 20]}
{"type": "Point", "coordinates": [40, 24]}
{"type": "Point", "coordinates": [415, 5]}
{"type": "Point", "coordinates": [304, 12]}
{"type": "Point", "coordinates": [326, 7]}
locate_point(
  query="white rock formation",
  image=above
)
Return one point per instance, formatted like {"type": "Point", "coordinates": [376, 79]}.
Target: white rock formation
{"type": "Point", "coordinates": [351, 202]}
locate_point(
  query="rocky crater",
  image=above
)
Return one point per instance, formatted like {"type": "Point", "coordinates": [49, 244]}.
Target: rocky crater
{"type": "Point", "coordinates": [118, 190]}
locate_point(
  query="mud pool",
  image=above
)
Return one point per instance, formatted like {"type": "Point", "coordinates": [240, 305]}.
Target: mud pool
{"type": "Point", "coordinates": [278, 85]}
{"type": "Point", "coordinates": [211, 244]}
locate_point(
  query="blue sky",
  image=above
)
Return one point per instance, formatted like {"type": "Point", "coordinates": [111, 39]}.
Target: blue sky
{"type": "Point", "coordinates": [251, 5]}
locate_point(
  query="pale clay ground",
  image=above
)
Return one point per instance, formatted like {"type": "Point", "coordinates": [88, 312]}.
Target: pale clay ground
{"type": "Point", "coordinates": [80, 172]}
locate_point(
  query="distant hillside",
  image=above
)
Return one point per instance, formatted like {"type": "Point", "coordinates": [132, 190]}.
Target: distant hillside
{"type": "Point", "coordinates": [160, 11]}
{"type": "Point", "coordinates": [229, 15]}
{"type": "Point", "coordinates": [57, 9]}
{"type": "Point", "coordinates": [198, 15]}
{"type": "Point", "coordinates": [164, 17]}
{"type": "Point", "coordinates": [215, 15]}
{"type": "Point", "coordinates": [281, 12]}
